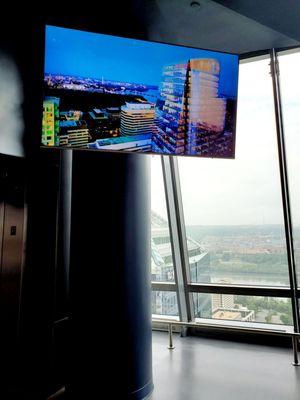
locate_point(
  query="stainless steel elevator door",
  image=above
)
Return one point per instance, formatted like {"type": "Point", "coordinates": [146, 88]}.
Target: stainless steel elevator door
{"type": "Point", "coordinates": [11, 257]}
{"type": "Point", "coordinates": [12, 214]}
{"type": "Point", "coordinates": [1, 230]}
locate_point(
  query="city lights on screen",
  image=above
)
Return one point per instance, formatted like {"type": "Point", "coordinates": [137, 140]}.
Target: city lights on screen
{"type": "Point", "coordinates": [105, 92]}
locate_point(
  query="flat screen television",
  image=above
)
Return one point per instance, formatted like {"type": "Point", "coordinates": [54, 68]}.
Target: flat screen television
{"type": "Point", "coordinates": [105, 92]}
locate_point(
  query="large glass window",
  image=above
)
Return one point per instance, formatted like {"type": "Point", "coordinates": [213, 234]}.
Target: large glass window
{"type": "Point", "coordinates": [164, 303]}
{"type": "Point", "coordinates": [289, 65]}
{"type": "Point", "coordinates": [233, 209]}
{"type": "Point", "coordinates": [162, 268]}
{"type": "Point", "coordinates": [243, 309]}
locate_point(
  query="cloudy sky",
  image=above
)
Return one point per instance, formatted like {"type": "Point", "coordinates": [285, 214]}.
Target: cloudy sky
{"type": "Point", "coordinates": [245, 190]}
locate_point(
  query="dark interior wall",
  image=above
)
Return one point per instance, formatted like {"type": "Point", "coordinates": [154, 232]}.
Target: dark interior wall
{"type": "Point", "coordinates": [22, 48]}
{"type": "Point", "coordinates": [280, 15]}
{"type": "Point", "coordinates": [22, 41]}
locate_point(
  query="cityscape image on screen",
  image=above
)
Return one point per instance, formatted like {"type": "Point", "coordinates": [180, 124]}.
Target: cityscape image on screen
{"type": "Point", "coordinates": [105, 92]}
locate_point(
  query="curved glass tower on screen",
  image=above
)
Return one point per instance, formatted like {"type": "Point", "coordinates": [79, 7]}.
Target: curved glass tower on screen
{"type": "Point", "coordinates": [192, 119]}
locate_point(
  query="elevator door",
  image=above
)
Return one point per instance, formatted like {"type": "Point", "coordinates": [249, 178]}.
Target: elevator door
{"type": "Point", "coordinates": [11, 256]}
{"type": "Point", "coordinates": [12, 217]}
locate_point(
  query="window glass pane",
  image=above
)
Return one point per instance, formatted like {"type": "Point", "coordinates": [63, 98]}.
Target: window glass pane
{"type": "Point", "coordinates": [162, 260]}
{"type": "Point", "coordinates": [233, 209]}
{"type": "Point", "coordinates": [246, 309]}
{"type": "Point", "coordinates": [164, 303]}
{"type": "Point", "coordinates": [289, 65]}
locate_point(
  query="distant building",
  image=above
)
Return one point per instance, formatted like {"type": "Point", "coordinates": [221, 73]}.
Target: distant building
{"type": "Point", "coordinates": [113, 112]}
{"type": "Point", "coordinates": [222, 301]}
{"type": "Point", "coordinates": [104, 122]}
{"type": "Point", "coordinates": [224, 307]}
{"type": "Point", "coordinates": [50, 123]}
{"type": "Point", "coordinates": [72, 115]}
{"type": "Point", "coordinates": [192, 118]}
{"type": "Point", "coordinates": [134, 143]}
{"type": "Point", "coordinates": [215, 306]}
{"type": "Point", "coordinates": [137, 119]}
{"type": "Point", "coordinates": [98, 114]}
{"type": "Point", "coordinates": [234, 314]}
{"type": "Point", "coordinates": [162, 270]}
{"type": "Point", "coordinates": [73, 134]}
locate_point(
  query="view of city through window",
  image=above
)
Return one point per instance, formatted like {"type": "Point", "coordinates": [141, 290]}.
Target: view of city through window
{"type": "Point", "coordinates": [233, 211]}
{"type": "Point", "coordinates": [290, 88]}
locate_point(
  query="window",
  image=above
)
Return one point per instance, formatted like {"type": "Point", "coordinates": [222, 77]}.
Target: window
{"type": "Point", "coordinates": [233, 209]}
{"type": "Point", "coordinates": [164, 303]}
{"type": "Point", "coordinates": [162, 268]}
{"type": "Point", "coordinates": [243, 309]}
{"type": "Point", "coordinates": [233, 215]}
{"type": "Point", "coordinates": [289, 65]}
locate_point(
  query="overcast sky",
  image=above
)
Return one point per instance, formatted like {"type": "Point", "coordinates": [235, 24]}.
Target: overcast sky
{"type": "Point", "coordinates": [245, 190]}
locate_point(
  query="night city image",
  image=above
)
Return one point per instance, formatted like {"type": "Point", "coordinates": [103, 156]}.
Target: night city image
{"type": "Point", "coordinates": [111, 93]}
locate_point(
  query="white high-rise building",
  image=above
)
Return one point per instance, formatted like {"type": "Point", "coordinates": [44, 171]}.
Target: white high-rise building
{"type": "Point", "coordinates": [222, 301]}
{"type": "Point", "coordinates": [137, 119]}
{"type": "Point", "coordinates": [205, 107]}
{"type": "Point", "coordinates": [192, 119]}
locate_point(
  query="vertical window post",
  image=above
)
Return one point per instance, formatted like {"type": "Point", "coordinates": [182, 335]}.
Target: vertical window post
{"type": "Point", "coordinates": [178, 237]}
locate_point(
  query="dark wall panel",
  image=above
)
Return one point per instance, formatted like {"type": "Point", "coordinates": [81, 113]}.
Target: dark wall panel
{"type": "Point", "coordinates": [22, 42]}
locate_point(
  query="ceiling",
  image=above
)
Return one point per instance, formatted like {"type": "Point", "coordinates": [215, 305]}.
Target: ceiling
{"type": "Point", "coordinates": [238, 26]}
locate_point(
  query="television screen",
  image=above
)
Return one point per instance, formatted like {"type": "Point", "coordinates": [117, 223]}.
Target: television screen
{"type": "Point", "coordinates": [106, 92]}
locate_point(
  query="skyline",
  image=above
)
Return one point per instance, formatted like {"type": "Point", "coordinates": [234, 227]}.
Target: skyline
{"type": "Point", "coordinates": [47, 74]}
{"type": "Point", "coordinates": [78, 53]}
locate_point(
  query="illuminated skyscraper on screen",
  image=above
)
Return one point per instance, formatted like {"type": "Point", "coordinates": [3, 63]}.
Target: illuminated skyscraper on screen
{"type": "Point", "coordinates": [192, 117]}
{"type": "Point", "coordinates": [50, 124]}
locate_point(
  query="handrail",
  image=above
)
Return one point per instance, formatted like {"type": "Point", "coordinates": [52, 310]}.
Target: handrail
{"type": "Point", "coordinates": [271, 332]}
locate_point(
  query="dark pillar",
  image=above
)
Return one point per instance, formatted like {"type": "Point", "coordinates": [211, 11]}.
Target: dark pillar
{"type": "Point", "coordinates": [110, 315]}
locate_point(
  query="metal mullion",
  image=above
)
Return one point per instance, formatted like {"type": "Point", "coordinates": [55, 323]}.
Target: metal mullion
{"type": "Point", "coordinates": [229, 327]}
{"type": "Point", "coordinates": [178, 240]}
{"type": "Point", "coordinates": [63, 233]}
{"type": "Point", "coordinates": [241, 290]}
{"type": "Point", "coordinates": [65, 210]}
{"type": "Point", "coordinates": [163, 286]}
{"type": "Point", "coordinates": [284, 185]}
{"type": "Point", "coordinates": [182, 235]}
